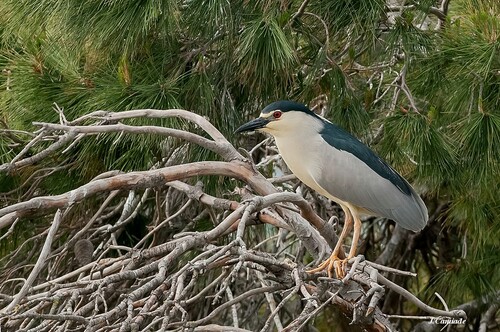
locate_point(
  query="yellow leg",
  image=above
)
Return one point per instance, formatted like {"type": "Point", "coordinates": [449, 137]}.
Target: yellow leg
{"type": "Point", "coordinates": [355, 236]}
{"type": "Point", "coordinates": [334, 262]}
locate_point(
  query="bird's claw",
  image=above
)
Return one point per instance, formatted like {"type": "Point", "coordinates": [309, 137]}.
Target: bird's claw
{"type": "Point", "coordinates": [332, 264]}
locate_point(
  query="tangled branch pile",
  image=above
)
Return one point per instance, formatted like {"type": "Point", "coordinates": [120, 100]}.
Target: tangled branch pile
{"type": "Point", "coordinates": [150, 250]}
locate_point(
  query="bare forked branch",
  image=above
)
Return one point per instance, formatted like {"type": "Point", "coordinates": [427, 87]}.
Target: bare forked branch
{"type": "Point", "coordinates": [176, 274]}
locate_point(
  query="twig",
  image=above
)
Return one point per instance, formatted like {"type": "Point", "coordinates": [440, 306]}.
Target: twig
{"type": "Point", "coordinates": [28, 146]}
{"type": "Point", "coordinates": [237, 299]}
{"type": "Point", "coordinates": [234, 309]}
{"type": "Point", "coordinates": [488, 316]}
{"type": "Point", "coordinates": [63, 140]}
{"type": "Point", "coordinates": [300, 11]}
{"type": "Point", "coordinates": [412, 298]}
{"type": "Point", "coordinates": [391, 270]}
{"type": "Point", "coordinates": [445, 305]}
{"type": "Point", "coordinates": [10, 230]}
{"type": "Point", "coordinates": [40, 263]}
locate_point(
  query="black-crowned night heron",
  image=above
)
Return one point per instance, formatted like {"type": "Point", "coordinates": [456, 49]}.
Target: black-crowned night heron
{"type": "Point", "coordinates": [337, 165]}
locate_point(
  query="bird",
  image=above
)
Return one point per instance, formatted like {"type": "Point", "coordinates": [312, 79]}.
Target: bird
{"type": "Point", "coordinates": [337, 165]}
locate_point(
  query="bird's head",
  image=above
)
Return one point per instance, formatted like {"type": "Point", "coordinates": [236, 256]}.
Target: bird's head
{"type": "Point", "coordinates": [280, 118]}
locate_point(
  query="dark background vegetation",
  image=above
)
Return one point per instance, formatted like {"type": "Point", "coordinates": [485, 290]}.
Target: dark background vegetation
{"type": "Point", "coordinates": [418, 81]}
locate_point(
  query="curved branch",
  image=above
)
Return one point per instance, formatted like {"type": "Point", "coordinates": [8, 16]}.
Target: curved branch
{"type": "Point", "coordinates": [132, 180]}
{"type": "Point", "coordinates": [413, 299]}
{"type": "Point", "coordinates": [222, 149]}
{"type": "Point", "coordinates": [155, 114]}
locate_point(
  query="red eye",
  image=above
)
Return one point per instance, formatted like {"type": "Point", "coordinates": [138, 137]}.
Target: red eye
{"type": "Point", "coordinates": [277, 115]}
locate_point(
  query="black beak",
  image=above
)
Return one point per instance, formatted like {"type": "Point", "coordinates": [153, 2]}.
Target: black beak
{"type": "Point", "coordinates": [253, 125]}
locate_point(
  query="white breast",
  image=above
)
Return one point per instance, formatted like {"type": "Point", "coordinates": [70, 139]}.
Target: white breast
{"type": "Point", "coordinates": [300, 153]}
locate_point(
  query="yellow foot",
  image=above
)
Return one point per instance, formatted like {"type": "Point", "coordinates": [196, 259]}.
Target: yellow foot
{"type": "Point", "coordinates": [332, 263]}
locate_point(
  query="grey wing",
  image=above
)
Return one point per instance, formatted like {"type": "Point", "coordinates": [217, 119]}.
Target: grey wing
{"type": "Point", "coordinates": [352, 180]}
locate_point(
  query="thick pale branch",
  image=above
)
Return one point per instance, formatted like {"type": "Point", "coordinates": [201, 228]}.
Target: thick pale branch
{"type": "Point", "coordinates": [156, 114]}
{"type": "Point", "coordinates": [229, 154]}
{"type": "Point", "coordinates": [113, 128]}
{"type": "Point", "coordinates": [133, 180]}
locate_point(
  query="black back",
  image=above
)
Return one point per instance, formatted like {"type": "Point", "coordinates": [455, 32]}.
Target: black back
{"type": "Point", "coordinates": [342, 140]}
{"type": "Point", "coordinates": [286, 106]}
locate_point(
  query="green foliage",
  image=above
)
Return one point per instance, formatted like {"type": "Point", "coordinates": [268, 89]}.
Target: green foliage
{"type": "Point", "coordinates": [265, 58]}
{"type": "Point", "coordinates": [474, 277]}
{"type": "Point", "coordinates": [360, 16]}
{"type": "Point", "coordinates": [227, 59]}
{"type": "Point", "coordinates": [408, 37]}
{"type": "Point", "coordinates": [347, 109]}
{"type": "Point", "coordinates": [479, 138]}
{"type": "Point", "coordinates": [413, 143]}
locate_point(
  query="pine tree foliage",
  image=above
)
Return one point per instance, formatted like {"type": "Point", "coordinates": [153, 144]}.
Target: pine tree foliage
{"type": "Point", "coordinates": [419, 81]}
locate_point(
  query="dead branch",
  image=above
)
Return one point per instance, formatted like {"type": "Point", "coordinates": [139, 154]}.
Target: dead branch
{"type": "Point", "coordinates": [191, 277]}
